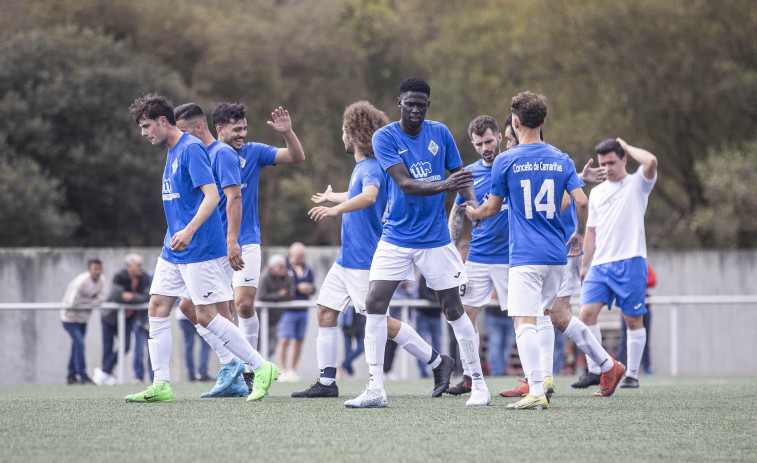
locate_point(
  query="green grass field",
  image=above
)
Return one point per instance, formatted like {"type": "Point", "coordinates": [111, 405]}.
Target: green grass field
{"type": "Point", "coordinates": [667, 419]}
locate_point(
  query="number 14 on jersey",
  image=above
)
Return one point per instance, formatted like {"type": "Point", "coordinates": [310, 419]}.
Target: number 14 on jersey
{"type": "Point", "coordinates": [547, 189]}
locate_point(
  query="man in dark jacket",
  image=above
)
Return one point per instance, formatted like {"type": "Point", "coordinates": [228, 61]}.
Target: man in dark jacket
{"type": "Point", "coordinates": [130, 286]}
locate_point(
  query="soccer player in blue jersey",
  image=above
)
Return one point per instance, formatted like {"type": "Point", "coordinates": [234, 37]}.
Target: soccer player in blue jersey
{"type": "Point", "coordinates": [224, 162]}
{"type": "Point", "coordinates": [230, 121]}
{"type": "Point", "coordinates": [487, 261]}
{"type": "Point", "coordinates": [193, 251]}
{"type": "Point", "coordinates": [362, 208]}
{"type": "Point", "coordinates": [416, 154]}
{"type": "Point", "coordinates": [533, 177]}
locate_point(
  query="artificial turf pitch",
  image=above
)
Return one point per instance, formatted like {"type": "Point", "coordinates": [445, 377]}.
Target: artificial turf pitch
{"type": "Point", "coordinates": [667, 419]}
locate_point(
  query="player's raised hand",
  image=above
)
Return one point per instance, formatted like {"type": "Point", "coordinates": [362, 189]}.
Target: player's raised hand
{"type": "Point", "coordinates": [319, 213]}
{"type": "Point", "coordinates": [459, 180]}
{"type": "Point", "coordinates": [623, 144]}
{"type": "Point", "coordinates": [593, 175]}
{"type": "Point", "coordinates": [576, 245]}
{"type": "Point", "coordinates": [281, 123]}
{"type": "Point", "coordinates": [320, 198]}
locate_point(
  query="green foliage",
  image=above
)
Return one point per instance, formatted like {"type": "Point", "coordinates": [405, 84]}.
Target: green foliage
{"type": "Point", "coordinates": [64, 110]}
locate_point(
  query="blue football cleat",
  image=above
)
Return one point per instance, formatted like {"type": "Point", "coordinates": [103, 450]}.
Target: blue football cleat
{"type": "Point", "coordinates": [226, 376]}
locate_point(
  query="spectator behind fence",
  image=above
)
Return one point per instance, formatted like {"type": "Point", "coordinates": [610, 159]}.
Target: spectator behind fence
{"type": "Point", "coordinates": [129, 286]}
{"type": "Point", "coordinates": [190, 333]}
{"type": "Point", "coordinates": [428, 321]}
{"type": "Point", "coordinates": [353, 330]}
{"type": "Point", "coordinates": [293, 322]}
{"type": "Point", "coordinates": [87, 289]}
{"type": "Point", "coordinates": [276, 285]}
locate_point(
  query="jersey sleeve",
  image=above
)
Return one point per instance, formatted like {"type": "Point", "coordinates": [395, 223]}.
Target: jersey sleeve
{"type": "Point", "coordinates": [198, 165]}
{"type": "Point", "coordinates": [643, 183]}
{"type": "Point", "coordinates": [453, 159]}
{"type": "Point", "coordinates": [228, 170]}
{"type": "Point", "coordinates": [499, 180]}
{"type": "Point", "coordinates": [373, 175]}
{"type": "Point", "coordinates": [573, 180]}
{"type": "Point", "coordinates": [384, 149]}
{"type": "Point", "coordinates": [459, 199]}
{"type": "Point", "coordinates": [266, 155]}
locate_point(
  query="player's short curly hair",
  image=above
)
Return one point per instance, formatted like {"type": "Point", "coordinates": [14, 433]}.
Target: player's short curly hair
{"type": "Point", "coordinates": [415, 84]}
{"type": "Point", "coordinates": [225, 113]}
{"type": "Point", "coordinates": [152, 106]}
{"type": "Point", "coordinates": [530, 108]}
{"type": "Point", "coordinates": [479, 125]}
{"type": "Point", "coordinates": [361, 120]}
{"type": "Point", "coordinates": [610, 145]}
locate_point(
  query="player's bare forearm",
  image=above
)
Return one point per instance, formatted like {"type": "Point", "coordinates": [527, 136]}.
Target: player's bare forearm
{"type": "Point", "coordinates": [294, 148]}
{"type": "Point", "coordinates": [647, 160]}
{"type": "Point", "coordinates": [233, 212]}
{"type": "Point", "coordinates": [489, 209]}
{"type": "Point", "coordinates": [366, 198]}
{"type": "Point", "coordinates": [455, 222]}
{"type": "Point", "coordinates": [582, 209]}
{"type": "Point", "coordinates": [181, 239]}
{"type": "Point", "coordinates": [401, 176]}
{"type": "Point", "coordinates": [589, 247]}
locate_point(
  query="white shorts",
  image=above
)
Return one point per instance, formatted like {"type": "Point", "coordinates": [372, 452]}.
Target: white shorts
{"type": "Point", "coordinates": [205, 282]}
{"type": "Point", "coordinates": [250, 274]}
{"type": "Point", "coordinates": [533, 289]}
{"type": "Point", "coordinates": [343, 285]}
{"type": "Point", "coordinates": [481, 278]}
{"type": "Point", "coordinates": [571, 279]}
{"type": "Point", "coordinates": [441, 266]}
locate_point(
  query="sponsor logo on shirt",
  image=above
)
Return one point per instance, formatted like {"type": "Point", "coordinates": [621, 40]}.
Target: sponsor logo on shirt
{"type": "Point", "coordinates": [242, 161]}
{"type": "Point", "coordinates": [420, 171]}
{"type": "Point", "coordinates": [167, 194]}
{"type": "Point", "coordinates": [529, 167]}
{"type": "Point", "coordinates": [433, 147]}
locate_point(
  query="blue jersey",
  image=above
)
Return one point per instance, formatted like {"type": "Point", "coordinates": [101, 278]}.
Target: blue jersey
{"type": "Point", "coordinates": [416, 221]}
{"type": "Point", "coordinates": [225, 165]}
{"type": "Point", "coordinates": [533, 178]}
{"type": "Point", "coordinates": [252, 157]}
{"type": "Point", "coordinates": [187, 169]}
{"type": "Point", "coordinates": [490, 242]}
{"type": "Point", "coordinates": [361, 229]}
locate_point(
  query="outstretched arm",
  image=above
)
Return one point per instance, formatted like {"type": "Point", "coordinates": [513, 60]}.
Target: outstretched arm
{"type": "Point", "coordinates": [647, 160]}
{"type": "Point", "coordinates": [592, 175]}
{"type": "Point", "coordinates": [490, 208]}
{"type": "Point", "coordinates": [458, 180]}
{"type": "Point", "coordinates": [365, 199]}
{"type": "Point", "coordinates": [282, 123]}
{"type": "Point", "coordinates": [329, 196]}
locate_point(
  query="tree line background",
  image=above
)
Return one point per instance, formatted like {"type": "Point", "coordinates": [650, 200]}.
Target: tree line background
{"type": "Point", "coordinates": [677, 77]}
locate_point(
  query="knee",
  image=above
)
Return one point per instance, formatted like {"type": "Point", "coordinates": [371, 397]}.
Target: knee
{"type": "Point", "coordinates": [245, 307]}
{"type": "Point", "coordinates": [327, 318]}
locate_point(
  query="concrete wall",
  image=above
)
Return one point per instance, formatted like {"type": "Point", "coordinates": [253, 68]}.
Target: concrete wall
{"type": "Point", "coordinates": [34, 347]}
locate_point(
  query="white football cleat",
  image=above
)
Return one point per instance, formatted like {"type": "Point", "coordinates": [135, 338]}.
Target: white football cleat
{"type": "Point", "coordinates": [479, 398]}
{"type": "Point", "coordinates": [370, 398]}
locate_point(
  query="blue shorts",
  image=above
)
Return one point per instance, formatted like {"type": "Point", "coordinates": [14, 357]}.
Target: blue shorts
{"type": "Point", "coordinates": [623, 282]}
{"type": "Point", "coordinates": [292, 324]}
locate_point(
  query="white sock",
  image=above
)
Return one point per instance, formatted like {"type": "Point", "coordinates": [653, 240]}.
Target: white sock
{"type": "Point", "coordinates": [546, 333]}
{"type": "Point", "coordinates": [326, 348]}
{"type": "Point", "coordinates": [466, 338]}
{"type": "Point", "coordinates": [411, 341]}
{"type": "Point", "coordinates": [635, 341]}
{"type": "Point", "coordinates": [224, 356]}
{"type": "Point", "coordinates": [587, 342]}
{"type": "Point", "coordinates": [375, 343]}
{"type": "Point", "coordinates": [527, 340]}
{"type": "Point", "coordinates": [590, 363]}
{"type": "Point", "coordinates": [159, 345]}
{"type": "Point", "coordinates": [466, 370]}
{"type": "Point", "coordinates": [232, 339]}
{"type": "Point", "coordinates": [250, 328]}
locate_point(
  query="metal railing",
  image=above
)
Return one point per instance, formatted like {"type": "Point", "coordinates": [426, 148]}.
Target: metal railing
{"type": "Point", "coordinates": [674, 304]}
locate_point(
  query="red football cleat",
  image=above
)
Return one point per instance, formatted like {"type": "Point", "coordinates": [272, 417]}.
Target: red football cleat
{"type": "Point", "coordinates": [519, 391]}
{"type": "Point", "coordinates": [610, 380]}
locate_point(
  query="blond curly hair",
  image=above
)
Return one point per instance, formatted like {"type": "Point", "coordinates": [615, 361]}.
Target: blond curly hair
{"type": "Point", "coordinates": [361, 120]}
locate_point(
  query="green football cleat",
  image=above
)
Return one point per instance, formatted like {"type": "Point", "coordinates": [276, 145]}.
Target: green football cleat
{"type": "Point", "coordinates": [158, 392]}
{"type": "Point", "coordinates": [549, 387]}
{"type": "Point", "coordinates": [264, 376]}
{"type": "Point", "coordinates": [530, 402]}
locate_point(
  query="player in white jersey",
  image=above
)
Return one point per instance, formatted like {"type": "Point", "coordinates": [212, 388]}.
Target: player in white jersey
{"type": "Point", "coordinates": [416, 154]}
{"type": "Point", "coordinates": [362, 208]}
{"type": "Point", "coordinates": [614, 269]}
{"type": "Point", "coordinates": [193, 252]}
{"type": "Point", "coordinates": [488, 257]}
{"type": "Point", "coordinates": [230, 121]}
{"type": "Point", "coordinates": [533, 177]}
{"type": "Point", "coordinates": [190, 118]}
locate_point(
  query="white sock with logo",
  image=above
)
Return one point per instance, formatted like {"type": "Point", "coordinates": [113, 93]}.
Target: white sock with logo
{"type": "Point", "coordinates": [585, 339]}
{"type": "Point", "coordinates": [327, 344]}
{"type": "Point", "coordinates": [234, 340]}
{"type": "Point", "coordinates": [635, 342]}
{"type": "Point", "coordinates": [375, 343]}
{"type": "Point", "coordinates": [527, 340]}
{"type": "Point", "coordinates": [546, 334]}
{"type": "Point", "coordinates": [250, 327]}
{"type": "Point", "coordinates": [466, 338]}
{"type": "Point", "coordinates": [411, 341]}
{"type": "Point", "coordinates": [159, 346]}
{"type": "Point", "coordinates": [224, 356]}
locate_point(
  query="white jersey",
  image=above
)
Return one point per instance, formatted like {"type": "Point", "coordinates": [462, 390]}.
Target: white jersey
{"type": "Point", "coordinates": [616, 211]}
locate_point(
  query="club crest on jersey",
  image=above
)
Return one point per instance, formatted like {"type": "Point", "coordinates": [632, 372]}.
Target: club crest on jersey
{"type": "Point", "coordinates": [242, 162]}
{"type": "Point", "coordinates": [175, 165]}
{"type": "Point", "coordinates": [433, 147]}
